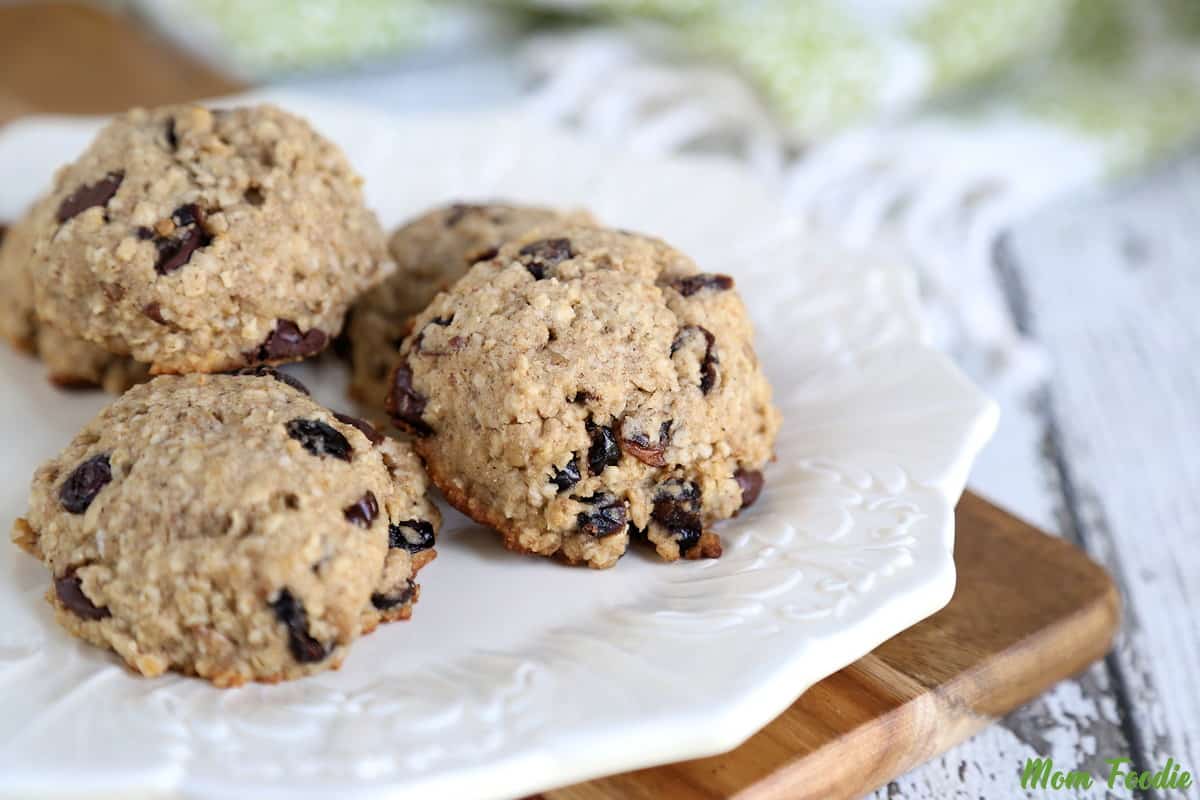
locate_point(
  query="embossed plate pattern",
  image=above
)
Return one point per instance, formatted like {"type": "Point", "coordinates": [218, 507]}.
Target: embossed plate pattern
{"type": "Point", "coordinates": [517, 674]}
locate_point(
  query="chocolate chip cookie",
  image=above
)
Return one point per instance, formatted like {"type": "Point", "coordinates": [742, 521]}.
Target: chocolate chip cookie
{"type": "Point", "coordinates": [585, 387]}
{"type": "Point", "coordinates": [230, 527]}
{"type": "Point", "coordinates": [71, 362]}
{"type": "Point", "coordinates": [431, 252]}
{"type": "Point", "coordinates": [202, 241]}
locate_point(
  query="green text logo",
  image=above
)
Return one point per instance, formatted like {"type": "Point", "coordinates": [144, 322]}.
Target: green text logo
{"type": "Point", "coordinates": [1039, 773]}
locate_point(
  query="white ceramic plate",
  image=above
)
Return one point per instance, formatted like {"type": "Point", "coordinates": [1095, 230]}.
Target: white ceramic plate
{"type": "Point", "coordinates": [517, 674]}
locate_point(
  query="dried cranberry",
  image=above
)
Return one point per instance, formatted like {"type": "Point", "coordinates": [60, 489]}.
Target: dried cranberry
{"type": "Point", "coordinates": [187, 214]}
{"type": "Point", "coordinates": [69, 589]}
{"type": "Point", "coordinates": [287, 341]}
{"type": "Point", "coordinates": [414, 535]}
{"type": "Point", "coordinates": [640, 447]}
{"type": "Point", "coordinates": [568, 476]}
{"type": "Point", "coordinates": [363, 511]}
{"type": "Point", "coordinates": [291, 613]}
{"type": "Point", "coordinates": [750, 481]}
{"type": "Point", "coordinates": [677, 508]}
{"type": "Point", "coordinates": [405, 404]}
{"type": "Point", "coordinates": [84, 483]}
{"type": "Point", "coordinates": [83, 198]}
{"type": "Point", "coordinates": [153, 311]}
{"type": "Point", "coordinates": [606, 517]}
{"type": "Point", "coordinates": [709, 361]}
{"type": "Point", "coordinates": [705, 280]}
{"type": "Point", "coordinates": [364, 427]}
{"type": "Point", "coordinates": [543, 254]}
{"type": "Point", "coordinates": [455, 343]}
{"type": "Point", "coordinates": [262, 370]}
{"type": "Point", "coordinates": [319, 438]}
{"type": "Point", "coordinates": [385, 601]}
{"type": "Point", "coordinates": [687, 538]}
{"type": "Point", "coordinates": [604, 451]}
{"type": "Point", "coordinates": [190, 235]}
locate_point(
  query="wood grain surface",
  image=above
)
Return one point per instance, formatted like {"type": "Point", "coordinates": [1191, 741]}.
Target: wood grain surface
{"type": "Point", "coordinates": [79, 59]}
{"type": "Point", "coordinates": [1108, 283]}
{"type": "Point", "coordinates": [59, 57]}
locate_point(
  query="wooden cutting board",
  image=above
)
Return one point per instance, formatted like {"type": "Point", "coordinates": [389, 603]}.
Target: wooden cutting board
{"type": "Point", "coordinates": [1029, 611]}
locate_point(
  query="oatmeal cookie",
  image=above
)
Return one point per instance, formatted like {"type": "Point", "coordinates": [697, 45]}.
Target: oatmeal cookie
{"type": "Point", "coordinates": [585, 387]}
{"type": "Point", "coordinates": [228, 526]}
{"type": "Point", "coordinates": [203, 241]}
